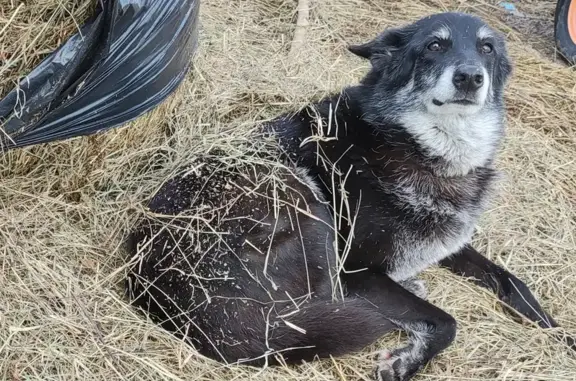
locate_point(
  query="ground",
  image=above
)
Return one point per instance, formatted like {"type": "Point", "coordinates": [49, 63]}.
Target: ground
{"type": "Point", "coordinates": [64, 207]}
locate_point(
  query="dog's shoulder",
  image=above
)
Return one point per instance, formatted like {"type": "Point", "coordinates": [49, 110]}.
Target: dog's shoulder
{"type": "Point", "coordinates": [336, 124]}
{"type": "Point", "coordinates": [320, 120]}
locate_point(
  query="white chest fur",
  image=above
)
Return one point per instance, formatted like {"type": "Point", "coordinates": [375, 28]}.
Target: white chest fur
{"type": "Point", "coordinates": [464, 141]}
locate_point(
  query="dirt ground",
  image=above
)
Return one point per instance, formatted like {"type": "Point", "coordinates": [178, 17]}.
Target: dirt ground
{"type": "Point", "coordinates": [64, 207]}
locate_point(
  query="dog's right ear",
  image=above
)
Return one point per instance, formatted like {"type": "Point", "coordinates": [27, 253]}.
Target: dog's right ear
{"type": "Point", "coordinates": [390, 55]}
{"type": "Point", "coordinates": [364, 50]}
{"type": "Point", "coordinates": [386, 44]}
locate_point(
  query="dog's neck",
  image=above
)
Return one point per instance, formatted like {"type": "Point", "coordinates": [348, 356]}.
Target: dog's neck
{"type": "Point", "coordinates": [461, 143]}
{"type": "Point", "coordinates": [453, 145]}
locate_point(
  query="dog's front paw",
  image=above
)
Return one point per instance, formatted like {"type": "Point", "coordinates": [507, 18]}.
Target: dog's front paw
{"type": "Point", "coordinates": [384, 370]}
{"type": "Point", "coordinates": [416, 286]}
{"type": "Point", "coordinates": [394, 366]}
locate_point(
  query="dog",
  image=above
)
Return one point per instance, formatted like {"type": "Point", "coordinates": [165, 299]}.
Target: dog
{"type": "Point", "coordinates": [383, 180]}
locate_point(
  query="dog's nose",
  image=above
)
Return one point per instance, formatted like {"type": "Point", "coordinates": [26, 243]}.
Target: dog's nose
{"type": "Point", "coordinates": [468, 78]}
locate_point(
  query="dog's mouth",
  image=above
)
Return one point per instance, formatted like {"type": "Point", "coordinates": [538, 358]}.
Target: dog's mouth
{"type": "Point", "coordinates": [462, 102]}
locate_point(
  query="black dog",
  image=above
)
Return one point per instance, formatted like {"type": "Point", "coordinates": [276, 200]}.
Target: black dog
{"type": "Point", "coordinates": [405, 162]}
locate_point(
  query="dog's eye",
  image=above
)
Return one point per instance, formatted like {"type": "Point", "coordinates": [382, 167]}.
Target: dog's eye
{"type": "Point", "coordinates": [487, 48]}
{"type": "Point", "coordinates": [434, 46]}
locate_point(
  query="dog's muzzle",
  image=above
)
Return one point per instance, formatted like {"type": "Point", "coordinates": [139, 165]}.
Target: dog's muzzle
{"type": "Point", "coordinates": [468, 78]}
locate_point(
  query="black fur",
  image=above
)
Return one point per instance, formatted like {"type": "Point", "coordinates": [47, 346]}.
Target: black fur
{"type": "Point", "coordinates": [401, 202]}
{"type": "Point", "coordinates": [214, 290]}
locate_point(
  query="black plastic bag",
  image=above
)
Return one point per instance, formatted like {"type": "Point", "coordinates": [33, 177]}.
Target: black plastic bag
{"type": "Point", "coordinates": [125, 60]}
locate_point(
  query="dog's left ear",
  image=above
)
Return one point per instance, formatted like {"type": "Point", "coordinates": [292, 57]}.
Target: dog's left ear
{"type": "Point", "coordinates": [385, 44]}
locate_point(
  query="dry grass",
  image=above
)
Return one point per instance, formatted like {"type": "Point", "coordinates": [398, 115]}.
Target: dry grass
{"type": "Point", "coordinates": [65, 206]}
{"type": "Point", "coordinates": [30, 30]}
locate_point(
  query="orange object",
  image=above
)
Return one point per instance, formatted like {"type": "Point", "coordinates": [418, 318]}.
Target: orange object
{"type": "Point", "coordinates": [565, 29]}
{"type": "Point", "coordinates": [571, 22]}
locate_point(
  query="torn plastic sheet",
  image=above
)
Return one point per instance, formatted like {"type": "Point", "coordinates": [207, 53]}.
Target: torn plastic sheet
{"type": "Point", "coordinates": [125, 60]}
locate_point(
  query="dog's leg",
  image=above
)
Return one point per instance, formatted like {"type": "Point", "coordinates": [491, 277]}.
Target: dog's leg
{"type": "Point", "coordinates": [324, 328]}
{"type": "Point", "coordinates": [261, 333]}
{"type": "Point", "coordinates": [511, 290]}
{"type": "Point", "coordinates": [415, 286]}
{"type": "Point", "coordinates": [430, 329]}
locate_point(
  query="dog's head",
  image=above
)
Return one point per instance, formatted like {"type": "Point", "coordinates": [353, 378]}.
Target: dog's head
{"type": "Point", "coordinates": [448, 63]}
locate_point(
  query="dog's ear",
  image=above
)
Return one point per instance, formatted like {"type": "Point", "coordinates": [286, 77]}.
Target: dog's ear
{"type": "Point", "coordinates": [364, 50]}
{"type": "Point", "coordinates": [390, 55]}
{"type": "Point", "coordinates": [390, 41]}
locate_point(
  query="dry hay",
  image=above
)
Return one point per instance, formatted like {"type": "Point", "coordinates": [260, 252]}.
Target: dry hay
{"type": "Point", "coordinates": [31, 30]}
{"type": "Point", "coordinates": [64, 207]}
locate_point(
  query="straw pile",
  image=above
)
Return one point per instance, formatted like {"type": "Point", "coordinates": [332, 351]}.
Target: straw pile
{"type": "Point", "coordinates": [31, 30]}
{"type": "Point", "coordinates": [65, 207]}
